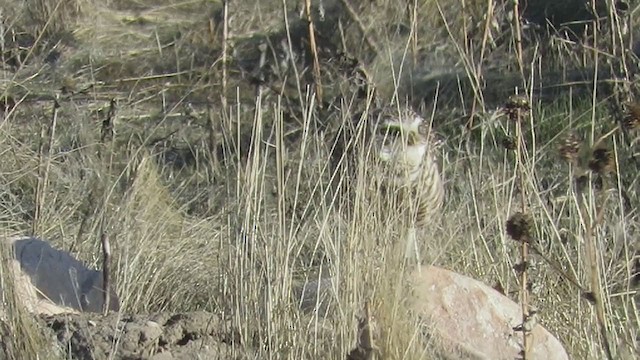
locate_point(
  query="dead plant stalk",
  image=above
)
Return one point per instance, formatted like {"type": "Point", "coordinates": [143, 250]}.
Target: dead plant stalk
{"type": "Point", "coordinates": [592, 255]}
{"type": "Point", "coordinates": [225, 37]}
{"type": "Point", "coordinates": [518, 36]}
{"type": "Point", "coordinates": [106, 268]}
{"type": "Point", "coordinates": [591, 248]}
{"type": "Point", "coordinates": [314, 52]}
{"type": "Point", "coordinates": [524, 246]}
{"type": "Point", "coordinates": [44, 167]}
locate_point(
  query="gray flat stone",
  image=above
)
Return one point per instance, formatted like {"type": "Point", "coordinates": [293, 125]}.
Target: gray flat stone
{"type": "Point", "coordinates": [61, 278]}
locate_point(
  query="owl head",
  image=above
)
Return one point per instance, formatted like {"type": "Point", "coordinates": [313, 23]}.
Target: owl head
{"type": "Point", "coordinates": [402, 137]}
{"type": "Point", "coordinates": [408, 126]}
{"type": "Point", "coordinates": [405, 121]}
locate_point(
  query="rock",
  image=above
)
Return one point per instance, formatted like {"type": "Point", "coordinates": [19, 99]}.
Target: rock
{"type": "Point", "coordinates": [162, 356]}
{"type": "Point", "coordinates": [140, 335]}
{"type": "Point", "coordinates": [151, 332]}
{"type": "Point", "coordinates": [51, 281]}
{"type": "Point", "coordinates": [474, 318]}
{"type": "Point", "coordinates": [469, 319]}
{"type": "Point", "coordinates": [571, 13]}
{"type": "Point", "coordinates": [316, 296]}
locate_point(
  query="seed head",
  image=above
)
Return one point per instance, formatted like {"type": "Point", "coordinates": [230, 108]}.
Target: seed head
{"type": "Point", "coordinates": [7, 103]}
{"type": "Point", "coordinates": [516, 105]}
{"type": "Point", "coordinates": [509, 143]}
{"type": "Point", "coordinates": [589, 296]}
{"type": "Point", "coordinates": [518, 102]}
{"type": "Point", "coordinates": [519, 227]}
{"type": "Point", "coordinates": [635, 276]}
{"type": "Point", "coordinates": [631, 120]}
{"type": "Point", "coordinates": [521, 267]}
{"type": "Point", "coordinates": [598, 182]}
{"type": "Point", "coordinates": [601, 161]}
{"type": "Point", "coordinates": [581, 182]}
{"type": "Point", "coordinates": [622, 6]}
{"type": "Point", "coordinates": [570, 148]}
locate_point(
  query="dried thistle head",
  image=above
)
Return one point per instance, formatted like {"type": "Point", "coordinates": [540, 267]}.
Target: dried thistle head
{"type": "Point", "coordinates": [631, 119]}
{"type": "Point", "coordinates": [581, 182]}
{"type": "Point", "coordinates": [622, 6]}
{"type": "Point", "coordinates": [598, 183]}
{"type": "Point", "coordinates": [589, 296]}
{"type": "Point", "coordinates": [601, 161]}
{"type": "Point", "coordinates": [518, 102]}
{"type": "Point", "coordinates": [509, 143]}
{"type": "Point", "coordinates": [570, 148]}
{"type": "Point", "coordinates": [516, 105]}
{"type": "Point", "coordinates": [519, 227]}
{"type": "Point", "coordinates": [7, 103]}
{"type": "Point", "coordinates": [521, 267]}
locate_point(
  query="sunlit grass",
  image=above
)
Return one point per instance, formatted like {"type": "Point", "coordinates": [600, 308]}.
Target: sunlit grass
{"type": "Point", "coordinates": [233, 210]}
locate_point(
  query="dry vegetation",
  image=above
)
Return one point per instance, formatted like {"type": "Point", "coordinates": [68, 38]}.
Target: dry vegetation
{"type": "Point", "coordinates": [209, 166]}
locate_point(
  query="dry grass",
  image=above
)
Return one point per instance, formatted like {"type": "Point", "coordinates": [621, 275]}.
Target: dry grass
{"type": "Point", "coordinates": [230, 210]}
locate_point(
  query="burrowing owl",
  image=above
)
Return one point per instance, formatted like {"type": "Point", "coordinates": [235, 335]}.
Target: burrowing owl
{"type": "Point", "coordinates": [404, 148]}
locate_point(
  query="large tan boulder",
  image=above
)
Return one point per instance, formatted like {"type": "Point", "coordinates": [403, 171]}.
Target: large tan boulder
{"type": "Point", "coordinates": [464, 317]}
{"type": "Point", "coordinates": [475, 319]}
{"type": "Point", "coordinates": [51, 281]}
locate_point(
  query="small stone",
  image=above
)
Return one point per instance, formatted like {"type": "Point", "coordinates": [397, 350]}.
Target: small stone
{"type": "Point", "coordinates": [165, 355]}
{"type": "Point", "coordinates": [150, 332]}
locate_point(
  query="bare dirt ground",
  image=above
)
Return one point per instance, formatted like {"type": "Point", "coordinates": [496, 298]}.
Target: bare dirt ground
{"type": "Point", "coordinates": [193, 335]}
